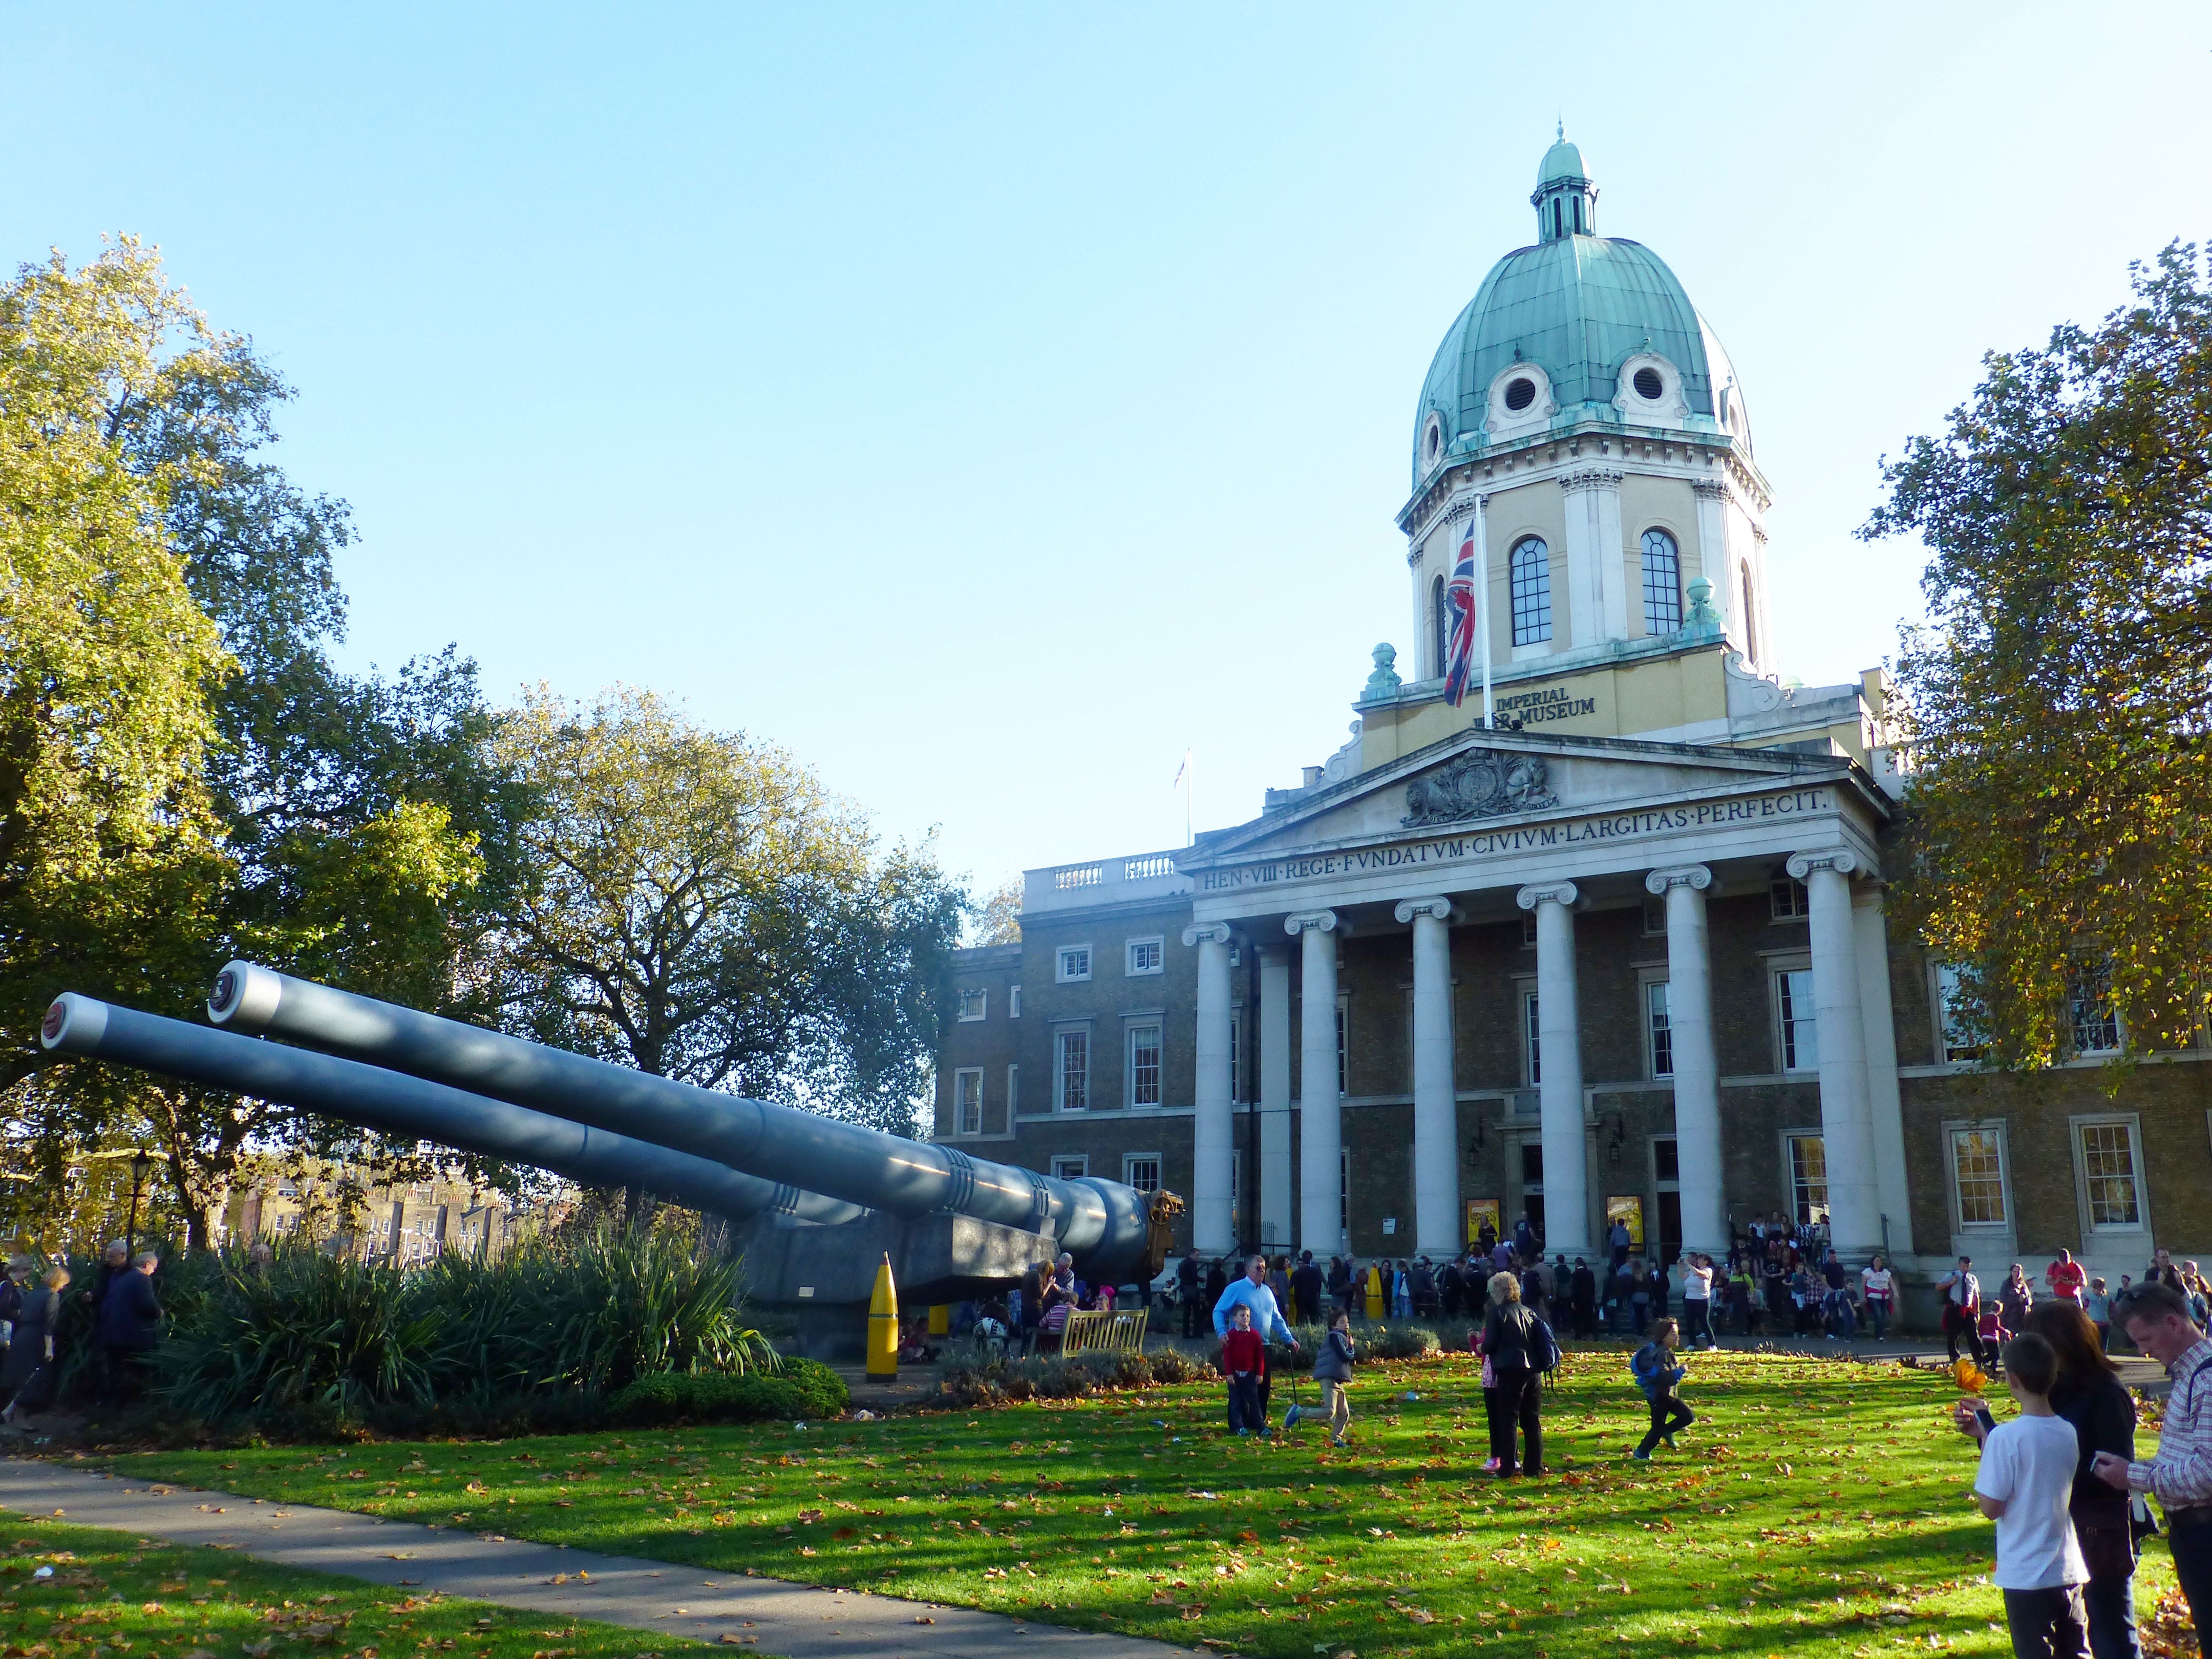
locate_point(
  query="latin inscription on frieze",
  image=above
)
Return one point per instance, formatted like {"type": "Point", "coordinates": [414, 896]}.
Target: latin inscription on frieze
{"type": "Point", "coordinates": [1506, 843]}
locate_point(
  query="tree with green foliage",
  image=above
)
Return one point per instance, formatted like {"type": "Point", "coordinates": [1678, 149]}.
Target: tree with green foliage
{"type": "Point", "coordinates": [2054, 711]}
{"type": "Point", "coordinates": [345, 828]}
{"type": "Point", "coordinates": [106, 661]}
{"type": "Point", "coordinates": [700, 907]}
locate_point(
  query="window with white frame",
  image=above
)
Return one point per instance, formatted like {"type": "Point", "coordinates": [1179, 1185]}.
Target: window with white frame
{"type": "Point", "coordinates": [1144, 1065]}
{"type": "Point", "coordinates": [975, 1000]}
{"type": "Point", "coordinates": [1530, 1042]}
{"type": "Point", "coordinates": [1528, 929]}
{"type": "Point", "coordinates": [1073, 1065]}
{"type": "Point", "coordinates": [968, 1102]}
{"type": "Point", "coordinates": [1799, 1024]}
{"type": "Point", "coordinates": [1529, 581]}
{"type": "Point", "coordinates": [1342, 1022]}
{"type": "Point", "coordinates": [2111, 1174]}
{"type": "Point", "coordinates": [1013, 1002]}
{"type": "Point", "coordinates": [1071, 1166]}
{"type": "Point", "coordinates": [1663, 583]}
{"type": "Point", "coordinates": [1977, 1182]}
{"type": "Point", "coordinates": [1146, 955]}
{"type": "Point", "coordinates": [1236, 1053]}
{"type": "Point", "coordinates": [1787, 899]}
{"type": "Point", "coordinates": [1661, 1036]}
{"type": "Point", "coordinates": [1343, 1189]}
{"type": "Point", "coordinates": [1655, 915]}
{"type": "Point", "coordinates": [1809, 1179]}
{"type": "Point", "coordinates": [2096, 1021]}
{"type": "Point", "coordinates": [1073, 965]}
{"type": "Point", "coordinates": [1954, 1026]}
{"type": "Point", "coordinates": [1141, 1170]}
{"type": "Point", "coordinates": [1013, 1092]}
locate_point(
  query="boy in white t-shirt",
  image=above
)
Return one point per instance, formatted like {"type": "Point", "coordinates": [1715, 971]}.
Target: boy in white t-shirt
{"type": "Point", "coordinates": [2025, 1483]}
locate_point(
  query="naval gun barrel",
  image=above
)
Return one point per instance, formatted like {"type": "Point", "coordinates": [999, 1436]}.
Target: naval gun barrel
{"type": "Point", "coordinates": [409, 1107]}
{"type": "Point", "coordinates": [1114, 1229]}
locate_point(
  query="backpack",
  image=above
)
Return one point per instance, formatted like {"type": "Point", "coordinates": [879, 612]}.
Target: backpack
{"type": "Point", "coordinates": [1543, 1347]}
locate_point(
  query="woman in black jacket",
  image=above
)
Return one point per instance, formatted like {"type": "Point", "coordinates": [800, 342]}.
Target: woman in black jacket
{"type": "Point", "coordinates": [1508, 1342]}
{"type": "Point", "coordinates": [2089, 1395]}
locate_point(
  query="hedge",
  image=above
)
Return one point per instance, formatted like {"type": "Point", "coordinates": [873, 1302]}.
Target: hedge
{"type": "Point", "coordinates": [802, 1389]}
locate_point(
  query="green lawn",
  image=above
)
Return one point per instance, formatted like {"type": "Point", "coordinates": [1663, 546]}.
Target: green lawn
{"type": "Point", "coordinates": [114, 1593]}
{"type": "Point", "coordinates": [1819, 1507]}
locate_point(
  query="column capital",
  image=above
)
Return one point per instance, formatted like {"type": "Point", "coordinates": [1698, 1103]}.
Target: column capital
{"type": "Point", "coordinates": [1208, 932]}
{"type": "Point", "coordinates": [1678, 875]}
{"type": "Point", "coordinates": [1841, 859]}
{"type": "Point", "coordinates": [1325, 922]}
{"type": "Point", "coordinates": [1557, 892]}
{"type": "Point", "coordinates": [1439, 906]}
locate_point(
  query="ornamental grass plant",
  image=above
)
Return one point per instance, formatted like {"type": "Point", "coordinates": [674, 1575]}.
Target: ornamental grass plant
{"type": "Point", "coordinates": [312, 1342]}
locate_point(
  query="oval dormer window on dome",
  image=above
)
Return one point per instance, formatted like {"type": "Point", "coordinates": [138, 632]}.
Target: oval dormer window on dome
{"type": "Point", "coordinates": [1520, 393]}
{"type": "Point", "coordinates": [1432, 440]}
{"type": "Point", "coordinates": [1649, 385]}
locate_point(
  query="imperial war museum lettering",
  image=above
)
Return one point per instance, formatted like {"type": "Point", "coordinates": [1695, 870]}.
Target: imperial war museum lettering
{"type": "Point", "coordinates": [1528, 838]}
{"type": "Point", "coordinates": [1551, 703]}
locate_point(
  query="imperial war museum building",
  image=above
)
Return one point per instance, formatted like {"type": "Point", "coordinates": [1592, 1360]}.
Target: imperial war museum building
{"type": "Point", "coordinates": [1620, 952]}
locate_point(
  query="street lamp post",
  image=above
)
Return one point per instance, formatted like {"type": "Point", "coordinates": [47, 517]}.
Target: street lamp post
{"type": "Point", "coordinates": [138, 1165]}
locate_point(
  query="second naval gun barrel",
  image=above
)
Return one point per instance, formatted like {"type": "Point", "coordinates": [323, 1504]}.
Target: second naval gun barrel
{"type": "Point", "coordinates": [409, 1107]}
{"type": "Point", "coordinates": [1114, 1230]}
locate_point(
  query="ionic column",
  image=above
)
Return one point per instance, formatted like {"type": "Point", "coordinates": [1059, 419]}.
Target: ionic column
{"type": "Point", "coordinates": [1321, 1131]}
{"type": "Point", "coordinates": [1435, 1116]}
{"type": "Point", "coordinates": [1697, 1071]}
{"type": "Point", "coordinates": [1276, 1185]}
{"type": "Point", "coordinates": [1846, 1116]}
{"type": "Point", "coordinates": [1559, 1056]}
{"type": "Point", "coordinates": [1212, 1230]}
{"type": "Point", "coordinates": [1883, 1097]}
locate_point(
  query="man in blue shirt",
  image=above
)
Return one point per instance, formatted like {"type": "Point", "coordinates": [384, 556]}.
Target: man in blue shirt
{"type": "Point", "coordinates": [1253, 1292]}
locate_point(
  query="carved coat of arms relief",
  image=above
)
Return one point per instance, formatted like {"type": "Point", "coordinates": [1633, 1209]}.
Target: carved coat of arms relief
{"type": "Point", "coordinates": [1481, 783]}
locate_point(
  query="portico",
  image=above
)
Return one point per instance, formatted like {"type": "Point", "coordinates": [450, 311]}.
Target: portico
{"type": "Point", "coordinates": [1487, 826]}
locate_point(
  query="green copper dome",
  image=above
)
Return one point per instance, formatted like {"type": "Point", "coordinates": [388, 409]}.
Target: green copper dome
{"type": "Point", "coordinates": [1577, 306]}
{"type": "Point", "coordinates": [1562, 161]}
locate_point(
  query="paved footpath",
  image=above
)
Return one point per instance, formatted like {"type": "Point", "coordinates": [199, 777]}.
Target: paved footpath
{"type": "Point", "coordinates": [764, 1615]}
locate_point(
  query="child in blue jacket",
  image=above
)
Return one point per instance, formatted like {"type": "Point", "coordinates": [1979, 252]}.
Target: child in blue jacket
{"type": "Point", "coordinates": [1658, 1376]}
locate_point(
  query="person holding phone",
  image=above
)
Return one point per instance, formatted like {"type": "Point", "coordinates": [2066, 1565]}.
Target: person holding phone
{"type": "Point", "coordinates": [2155, 1316]}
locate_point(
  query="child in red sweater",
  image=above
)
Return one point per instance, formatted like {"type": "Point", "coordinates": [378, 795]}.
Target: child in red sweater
{"type": "Point", "coordinates": [1242, 1358]}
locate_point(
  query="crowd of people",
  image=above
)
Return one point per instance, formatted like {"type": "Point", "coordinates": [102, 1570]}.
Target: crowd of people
{"type": "Point", "coordinates": [1982, 1323]}
{"type": "Point", "coordinates": [1778, 1279]}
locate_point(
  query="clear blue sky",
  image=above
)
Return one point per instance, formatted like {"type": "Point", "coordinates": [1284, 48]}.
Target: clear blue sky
{"type": "Point", "coordinates": [988, 403]}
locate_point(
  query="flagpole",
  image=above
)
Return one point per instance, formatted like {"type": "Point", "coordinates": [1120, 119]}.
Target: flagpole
{"type": "Point", "coordinates": [1188, 779]}
{"type": "Point", "coordinates": [1482, 597]}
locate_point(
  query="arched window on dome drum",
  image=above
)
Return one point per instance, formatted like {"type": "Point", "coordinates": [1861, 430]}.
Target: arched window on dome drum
{"type": "Point", "coordinates": [1436, 629]}
{"type": "Point", "coordinates": [1750, 627]}
{"type": "Point", "coordinates": [1531, 568]}
{"type": "Point", "coordinates": [1663, 583]}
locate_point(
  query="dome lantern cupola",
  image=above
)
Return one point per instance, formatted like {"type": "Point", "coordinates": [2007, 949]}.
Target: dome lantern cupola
{"type": "Point", "coordinates": [1565, 200]}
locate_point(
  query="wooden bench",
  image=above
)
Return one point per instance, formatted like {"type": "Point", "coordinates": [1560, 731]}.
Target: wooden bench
{"type": "Point", "coordinates": [1116, 1332]}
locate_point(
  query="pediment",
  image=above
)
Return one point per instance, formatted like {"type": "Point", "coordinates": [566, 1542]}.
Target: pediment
{"type": "Point", "coordinates": [1479, 778]}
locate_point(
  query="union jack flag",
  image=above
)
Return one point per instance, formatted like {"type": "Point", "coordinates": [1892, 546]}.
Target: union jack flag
{"type": "Point", "coordinates": [1462, 615]}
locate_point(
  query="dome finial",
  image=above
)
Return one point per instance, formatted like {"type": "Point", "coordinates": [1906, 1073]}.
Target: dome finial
{"type": "Point", "coordinates": [1563, 130]}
